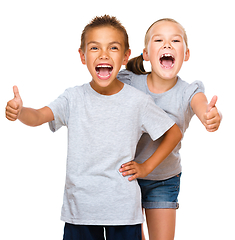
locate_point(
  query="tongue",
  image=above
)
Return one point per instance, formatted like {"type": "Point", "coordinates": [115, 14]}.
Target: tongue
{"type": "Point", "coordinates": [167, 63]}
{"type": "Point", "coordinates": [104, 71]}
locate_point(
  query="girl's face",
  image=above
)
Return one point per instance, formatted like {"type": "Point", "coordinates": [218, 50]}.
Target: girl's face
{"type": "Point", "coordinates": [166, 49]}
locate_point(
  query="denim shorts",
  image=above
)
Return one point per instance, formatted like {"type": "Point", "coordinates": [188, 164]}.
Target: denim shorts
{"type": "Point", "coordinates": [160, 194]}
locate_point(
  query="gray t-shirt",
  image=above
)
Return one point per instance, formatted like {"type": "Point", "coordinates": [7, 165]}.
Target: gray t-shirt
{"type": "Point", "coordinates": [103, 132]}
{"type": "Point", "coordinates": [177, 104]}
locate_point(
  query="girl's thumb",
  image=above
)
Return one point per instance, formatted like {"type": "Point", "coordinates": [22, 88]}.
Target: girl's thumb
{"type": "Point", "coordinates": [212, 103]}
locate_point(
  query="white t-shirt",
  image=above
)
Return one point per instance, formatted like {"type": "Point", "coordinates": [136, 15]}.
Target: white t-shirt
{"type": "Point", "coordinates": [176, 102]}
{"type": "Point", "coordinates": [103, 132]}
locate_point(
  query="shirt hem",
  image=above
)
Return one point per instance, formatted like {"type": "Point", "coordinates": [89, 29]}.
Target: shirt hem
{"type": "Point", "coordinates": [162, 177]}
{"type": "Point", "coordinates": [101, 223]}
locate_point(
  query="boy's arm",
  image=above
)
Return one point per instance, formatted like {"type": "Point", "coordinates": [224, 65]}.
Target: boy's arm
{"type": "Point", "coordinates": [171, 139]}
{"type": "Point", "coordinates": [207, 113]}
{"type": "Point", "coordinates": [28, 116]}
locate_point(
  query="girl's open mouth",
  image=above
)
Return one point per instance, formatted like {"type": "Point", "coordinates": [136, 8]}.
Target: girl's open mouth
{"type": "Point", "coordinates": [104, 71]}
{"type": "Point", "coordinates": [167, 60]}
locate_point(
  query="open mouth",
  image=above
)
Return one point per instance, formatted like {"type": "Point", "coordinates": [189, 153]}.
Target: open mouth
{"type": "Point", "coordinates": [167, 60]}
{"type": "Point", "coordinates": [104, 71]}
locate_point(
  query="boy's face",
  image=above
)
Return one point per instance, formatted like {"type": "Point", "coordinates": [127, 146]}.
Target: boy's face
{"type": "Point", "coordinates": [166, 49]}
{"type": "Point", "coordinates": [104, 55]}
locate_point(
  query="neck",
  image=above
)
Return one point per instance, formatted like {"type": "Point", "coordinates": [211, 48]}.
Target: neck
{"type": "Point", "coordinates": [111, 89]}
{"type": "Point", "coordinates": [159, 85]}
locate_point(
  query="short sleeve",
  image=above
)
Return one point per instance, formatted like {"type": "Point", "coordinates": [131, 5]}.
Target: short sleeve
{"type": "Point", "coordinates": [60, 109]}
{"type": "Point", "coordinates": [155, 121]}
{"type": "Point", "coordinates": [125, 76]}
{"type": "Point", "coordinates": [190, 91]}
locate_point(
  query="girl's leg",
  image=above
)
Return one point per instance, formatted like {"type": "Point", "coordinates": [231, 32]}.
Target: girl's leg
{"type": "Point", "coordinates": [161, 223]}
{"type": "Point", "coordinates": [160, 200]}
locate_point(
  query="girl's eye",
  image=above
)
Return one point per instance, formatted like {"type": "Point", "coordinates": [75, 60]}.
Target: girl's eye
{"type": "Point", "coordinates": [157, 40]}
{"type": "Point", "coordinates": [176, 41]}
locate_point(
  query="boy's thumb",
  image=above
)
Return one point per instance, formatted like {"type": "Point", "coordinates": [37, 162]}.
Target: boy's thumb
{"type": "Point", "coordinates": [16, 92]}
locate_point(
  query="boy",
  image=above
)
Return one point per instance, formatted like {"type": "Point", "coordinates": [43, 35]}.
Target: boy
{"type": "Point", "coordinates": [105, 120]}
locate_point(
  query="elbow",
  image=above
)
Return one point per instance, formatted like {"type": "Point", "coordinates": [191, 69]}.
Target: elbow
{"type": "Point", "coordinates": [180, 135]}
{"type": "Point", "coordinates": [177, 132]}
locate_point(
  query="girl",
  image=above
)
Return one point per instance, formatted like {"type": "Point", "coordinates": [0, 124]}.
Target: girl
{"type": "Point", "coordinates": [166, 48]}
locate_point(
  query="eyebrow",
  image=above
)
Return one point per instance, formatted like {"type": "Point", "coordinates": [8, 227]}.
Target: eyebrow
{"type": "Point", "coordinates": [173, 35]}
{"type": "Point", "coordinates": [94, 42]}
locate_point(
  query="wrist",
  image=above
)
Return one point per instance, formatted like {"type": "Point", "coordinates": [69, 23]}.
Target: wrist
{"type": "Point", "coordinates": [20, 112]}
{"type": "Point", "coordinates": [148, 168]}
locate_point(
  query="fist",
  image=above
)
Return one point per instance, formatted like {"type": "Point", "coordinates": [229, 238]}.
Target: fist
{"type": "Point", "coordinates": [14, 106]}
{"type": "Point", "coordinates": [212, 117]}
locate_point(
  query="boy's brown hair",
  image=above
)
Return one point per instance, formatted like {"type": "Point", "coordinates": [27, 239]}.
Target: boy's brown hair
{"type": "Point", "coordinates": [104, 21]}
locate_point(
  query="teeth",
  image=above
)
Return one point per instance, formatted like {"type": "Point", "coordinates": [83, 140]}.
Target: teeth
{"type": "Point", "coordinates": [167, 55]}
{"type": "Point", "coordinates": [104, 66]}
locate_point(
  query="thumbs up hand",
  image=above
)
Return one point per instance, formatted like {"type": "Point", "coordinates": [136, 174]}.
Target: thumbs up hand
{"type": "Point", "coordinates": [14, 106]}
{"type": "Point", "coordinates": [212, 117]}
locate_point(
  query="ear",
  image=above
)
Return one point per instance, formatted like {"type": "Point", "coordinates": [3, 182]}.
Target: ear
{"type": "Point", "coordinates": [126, 57]}
{"type": "Point", "coordinates": [145, 55]}
{"type": "Point", "coordinates": [82, 56]}
{"type": "Point", "coordinates": [187, 55]}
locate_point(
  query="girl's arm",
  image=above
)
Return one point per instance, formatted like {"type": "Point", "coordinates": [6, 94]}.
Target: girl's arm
{"type": "Point", "coordinates": [28, 116]}
{"type": "Point", "coordinates": [207, 113]}
{"type": "Point", "coordinates": [171, 138]}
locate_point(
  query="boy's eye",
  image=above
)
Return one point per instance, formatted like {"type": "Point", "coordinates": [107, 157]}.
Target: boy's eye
{"type": "Point", "coordinates": [94, 48]}
{"type": "Point", "coordinates": [175, 40]}
{"type": "Point", "coordinates": [114, 48]}
{"type": "Point", "coordinates": [157, 40]}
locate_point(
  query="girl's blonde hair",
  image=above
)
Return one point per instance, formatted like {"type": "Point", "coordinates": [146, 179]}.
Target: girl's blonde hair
{"type": "Point", "coordinates": [136, 64]}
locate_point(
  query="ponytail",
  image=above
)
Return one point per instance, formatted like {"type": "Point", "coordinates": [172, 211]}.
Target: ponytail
{"type": "Point", "coordinates": [136, 65]}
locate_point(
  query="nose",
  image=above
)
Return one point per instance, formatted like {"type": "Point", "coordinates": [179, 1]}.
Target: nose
{"type": "Point", "coordinates": [104, 55]}
{"type": "Point", "coordinates": [167, 46]}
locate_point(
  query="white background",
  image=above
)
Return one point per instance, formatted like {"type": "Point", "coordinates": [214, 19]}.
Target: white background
{"type": "Point", "coordinates": [38, 52]}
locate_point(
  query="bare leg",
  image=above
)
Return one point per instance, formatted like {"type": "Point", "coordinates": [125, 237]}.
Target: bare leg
{"type": "Point", "coordinates": [161, 223]}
